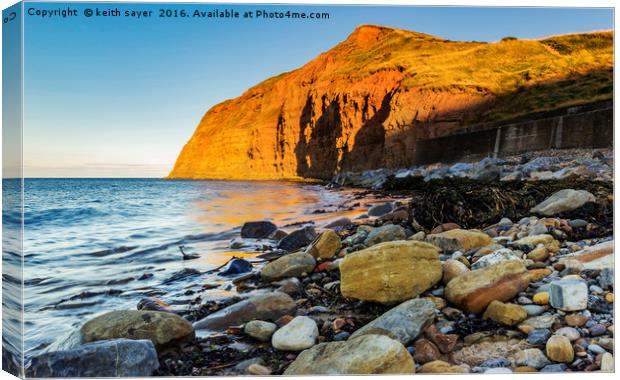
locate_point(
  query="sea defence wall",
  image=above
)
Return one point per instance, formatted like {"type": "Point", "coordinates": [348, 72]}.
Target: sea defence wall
{"type": "Point", "coordinates": [588, 126]}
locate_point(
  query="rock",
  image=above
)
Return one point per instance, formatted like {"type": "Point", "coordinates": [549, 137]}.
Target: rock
{"type": "Point", "coordinates": [269, 306]}
{"type": "Point", "coordinates": [563, 201]}
{"type": "Point", "coordinates": [538, 337]}
{"type": "Point", "coordinates": [477, 353]}
{"type": "Point", "coordinates": [277, 235]}
{"type": "Point", "coordinates": [390, 272]}
{"type": "Point", "coordinates": [243, 365]}
{"type": "Point", "coordinates": [547, 241]}
{"type": "Point", "coordinates": [340, 222]}
{"type": "Point", "coordinates": [325, 246]}
{"type": "Point", "coordinates": [297, 239]}
{"type": "Point", "coordinates": [162, 328]}
{"type": "Point", "coordinates": [568, 295]}
{"type": "Point", "coordinates": [496, 363]}
{"type": "Point", "coordinates": [404, 323]}
{"type": "Point", "coordinates": [386, 233]}
{"type": "Point", "coordinates": [505, 313]}
{"type": "Point", "coordinates": [289, 286]}
{"type": "Point", "coordinates": [453, 268]}
{"type": "Point", "coordinates": [554, 368]}
{"type": "Point", "coordinates": [445, 227]}
{"type": "Point", "coordinates": [235, 267]}
{"type": "Point", "coordinates": [539, 254]}
{"type": "Point", "coordinates": [380, 209]}
{"type": "Point", "coordinates": [257, 230]}
{"type": "Point", "coordinates": [260, 330]}
{"type": "Point", "coordinates": [606, 278]}
{"type": "Point", "coordinates": [258, 370]}
{"type": "Point", "coordinates": [541, 298]}
{"type": "Point", "coordinates": [291, 265]}
{"type": "Point", "coordinates": [153, 304]}
{"type": "Point", "coordinates": [109, 358]}
{"type": "Point", "coordinates": [531, 357]}
{"type": "Point", "coordinates": [607, 362]}
{"type": "Point", "coordinates": [600, 256]}
{"type": "Point", "coordinates": [496, 257]}
{"type": "Point", "coordinates": [445, 342]}
{"type": "Point", "coordinates": [459, 240]}
{"type": "Point", "coordinates": [540, 322]}
{"type": "Point", "coordinates": [297, 335]}
{"type": "Point", "coordinates": [475, 290]}
{"type": "Point", "coordinates": [365, 355]}
{"type": "Point", "coordinates": [569, 332]}
{"type": "Point", "coordinates": [438, 366]}
{"type": "Point", "coordinates": [559, 349]}
{"type": "Point", "coordinates": [576, 320]}
{"type": "Point", "coordinates": [533, 310]}
{"type": "Point", "coordinates": [426, 351]}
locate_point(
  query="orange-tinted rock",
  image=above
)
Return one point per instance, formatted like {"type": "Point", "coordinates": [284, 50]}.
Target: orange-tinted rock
{"type": "Point", "coordinates": [507, 314]}
{"type": "Point", "coordinates": [599, 256]}
{"type": "Point", "coordinates": [438, 366]}
{"type": "Point", "coordinates": [390, 272]}
{"type": "Point", "coordinates": [559, 349]}
{"type": "Point", "coordinates": [458, 239]}
{"type": "Point", "coordinates": [453, 268]}
{"type": "Point", "coordinates": [475, 290]}
{"type": "Point", "coordinates": [576, 320]}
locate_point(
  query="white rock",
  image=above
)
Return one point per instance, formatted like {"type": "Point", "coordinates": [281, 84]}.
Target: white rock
{"type": "Point", "coordinates": [607, 362]}
{"type": "Point", "coordinates": [568, 295]}
{"type": "Point", "coordinates": [297, 335]}
{"type": "Point", "coordinates": [498, 256]}
{"type": "Point", "coordinates": [563, 200]}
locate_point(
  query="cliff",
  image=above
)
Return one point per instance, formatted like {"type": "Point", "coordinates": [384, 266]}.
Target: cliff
{"type": "Point", "coordinates": [364, 103]}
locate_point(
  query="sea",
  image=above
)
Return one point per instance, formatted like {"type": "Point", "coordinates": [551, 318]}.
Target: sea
{"type": "Point", "coordinates": [96, 245]}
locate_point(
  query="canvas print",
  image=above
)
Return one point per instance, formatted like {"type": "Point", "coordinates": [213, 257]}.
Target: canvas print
{"type": "Point", "coordinates": [279, 189]}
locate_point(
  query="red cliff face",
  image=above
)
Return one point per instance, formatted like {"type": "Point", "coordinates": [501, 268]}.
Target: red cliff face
{"type": "Point", "coordinates": [363, 104]}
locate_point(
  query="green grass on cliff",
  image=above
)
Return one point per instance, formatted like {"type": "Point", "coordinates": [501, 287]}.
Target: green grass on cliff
{"type": "Point", "coordinates": [537, 74]}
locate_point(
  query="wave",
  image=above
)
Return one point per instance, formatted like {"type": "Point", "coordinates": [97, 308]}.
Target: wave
{"type": "Point", "coordinates": [65, 215]}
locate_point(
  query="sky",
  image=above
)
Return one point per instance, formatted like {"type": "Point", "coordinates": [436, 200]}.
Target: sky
{"type": "Point", "coordinates": [119, 96]}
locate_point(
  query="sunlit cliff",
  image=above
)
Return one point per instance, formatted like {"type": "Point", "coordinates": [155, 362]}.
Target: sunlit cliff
{"type": "Point", "coordinates": [364, 103]}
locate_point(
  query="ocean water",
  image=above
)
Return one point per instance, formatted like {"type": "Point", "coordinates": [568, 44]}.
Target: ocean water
{"type": "Point", "coordinates": [95, 245]}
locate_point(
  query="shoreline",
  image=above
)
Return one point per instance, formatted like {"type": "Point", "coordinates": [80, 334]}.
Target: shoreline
{"type": "Point", "coordinates": [309, 279]}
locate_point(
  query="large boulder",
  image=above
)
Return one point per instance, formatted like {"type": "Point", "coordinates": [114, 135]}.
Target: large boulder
{"type": "Point", "coordinates": [459, 240]}
{"type": "Point", "coordinates": [266, 307]}
{"type": "Point", "coordinates": [365, 355]}
{"type": "Point", "coordinates": [257, 230]}
{"type": "Point", "coordinates": [404, 323]}
{"type": "Point", "coordinates": [109, 358]}
{"type": "Point", "coordinates": [297, 239]}
{"type": "Point", "coordinates": [162, 328]}
{"type": "Point", "coordinates": [292, 265]}
{"type": "Point", "coordinates": [325, 246]}
{"type": "Point", "coordinates": [563, 201]}
{"type": "Point", "coordinates": [390, 272]}
{"type": "Point", "coordinates": [475, 290]}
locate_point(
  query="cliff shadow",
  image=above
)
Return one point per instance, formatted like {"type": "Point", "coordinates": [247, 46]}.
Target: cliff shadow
{"type": "Point", "coordinates": [317, 152]}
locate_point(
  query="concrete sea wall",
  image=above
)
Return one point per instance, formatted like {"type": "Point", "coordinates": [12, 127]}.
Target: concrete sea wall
{"type": "Point", "coordinates": [589, 126]}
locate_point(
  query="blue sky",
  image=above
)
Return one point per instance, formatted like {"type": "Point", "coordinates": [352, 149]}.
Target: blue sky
{"type": "Point", "coordinates": [118, 97]}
